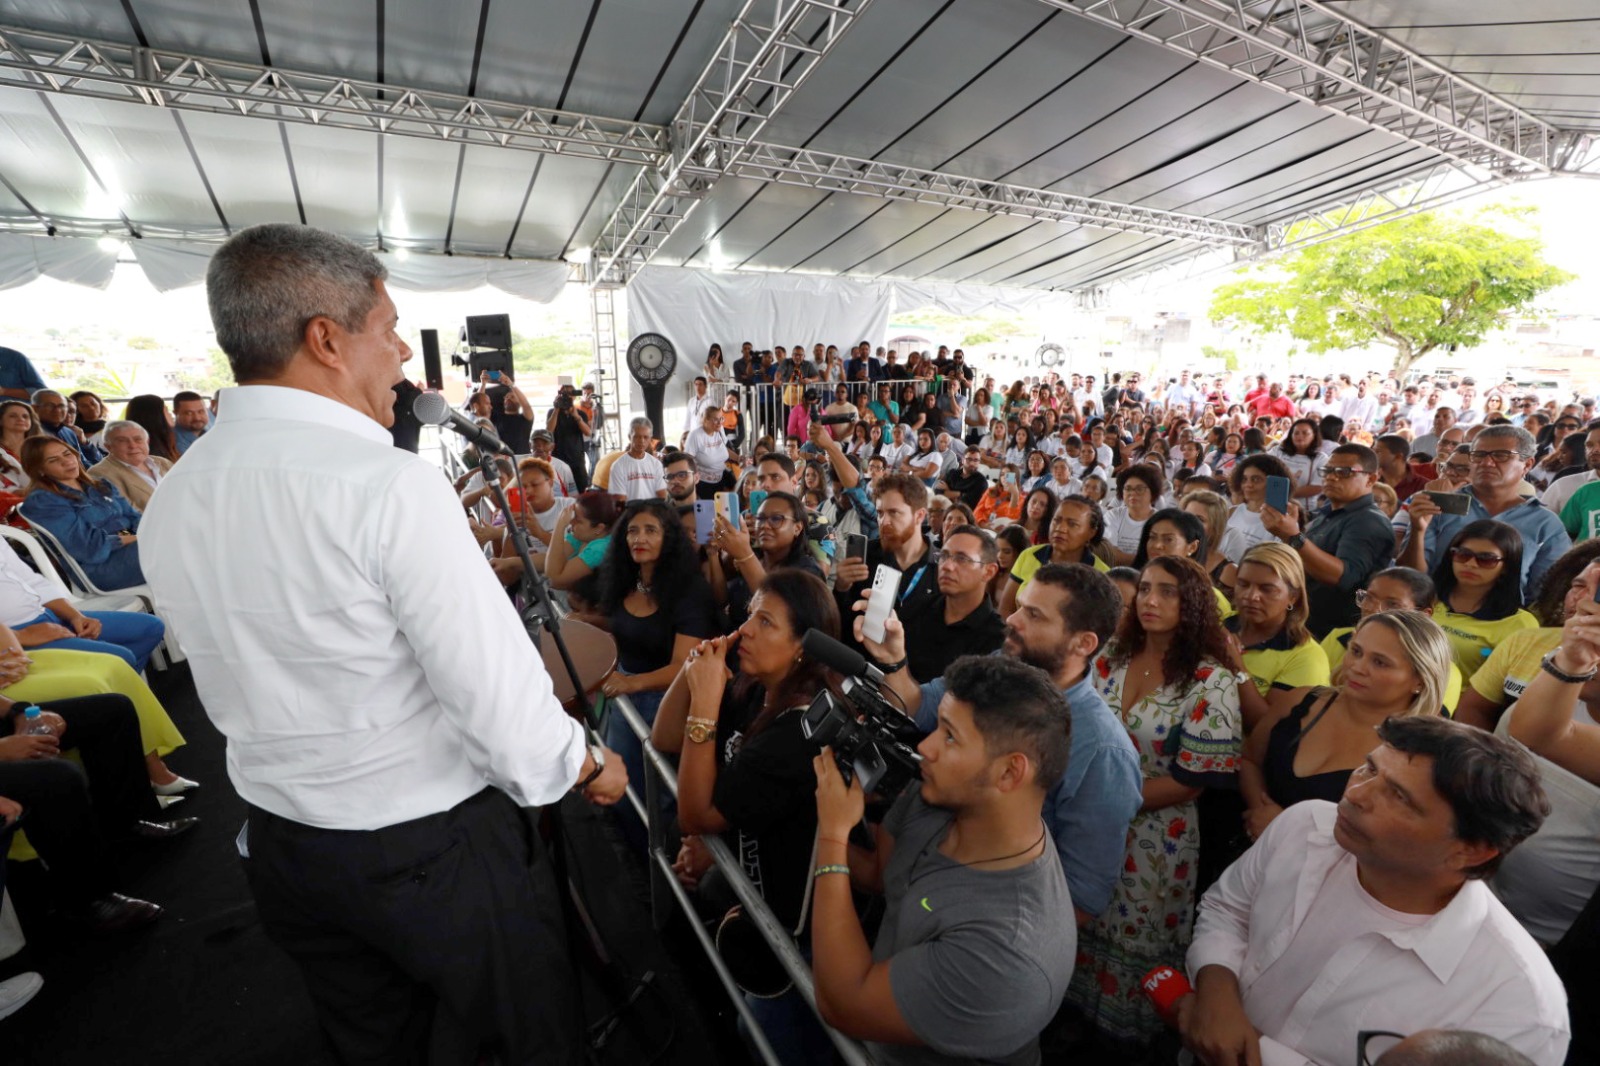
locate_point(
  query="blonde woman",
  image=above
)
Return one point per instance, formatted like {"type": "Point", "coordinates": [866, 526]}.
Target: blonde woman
{"type": "Point", "coordinates": [1396, 665]}
{"type": "Point", "coordinates": [1214, 512]}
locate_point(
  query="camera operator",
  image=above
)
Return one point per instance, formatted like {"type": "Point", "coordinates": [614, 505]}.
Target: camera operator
{"type": "Point", "coordinates": [570, 426]}
{"type": "Point", "coordinates": [972, 958]}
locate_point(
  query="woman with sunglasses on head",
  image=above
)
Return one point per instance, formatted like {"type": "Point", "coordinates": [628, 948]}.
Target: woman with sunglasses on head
{"type": "Point", "coordinates": [1479, 580]}
{"type": "Point", "coordinates": [742, 557]}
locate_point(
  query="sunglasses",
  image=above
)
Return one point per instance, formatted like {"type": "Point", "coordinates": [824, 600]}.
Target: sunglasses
{"type": "Point", "coordinates": [1484, 559]}
{"type": "Point", "coordinates": [1338, 472]}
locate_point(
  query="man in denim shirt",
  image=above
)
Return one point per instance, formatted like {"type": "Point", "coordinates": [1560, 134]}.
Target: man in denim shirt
{"type": "Point", "coordinates": [1063, 618]}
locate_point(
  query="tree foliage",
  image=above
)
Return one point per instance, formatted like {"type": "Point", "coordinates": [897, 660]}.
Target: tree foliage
{"type": "Point", "coordinates": [1418, 283]}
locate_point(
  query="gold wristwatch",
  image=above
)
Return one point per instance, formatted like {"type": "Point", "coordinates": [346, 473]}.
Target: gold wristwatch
{"type": "Point", "coordinates": [700, 730]}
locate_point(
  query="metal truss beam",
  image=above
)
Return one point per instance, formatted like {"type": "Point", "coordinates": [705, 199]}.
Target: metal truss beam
{"type": "Point", "coordinates": [837, 173]}
{"type": "Point", "coordinates": [163, 78]}
{"type": "Point", "coordinates": [767, 53]}
{"type": "Point", "coordinates": [1307, 49]}
{"type": "Point", "coordinates": [1434, 186]}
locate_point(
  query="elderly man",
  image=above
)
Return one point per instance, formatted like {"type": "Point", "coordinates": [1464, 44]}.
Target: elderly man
{"type": "Point", "coordinates": [130, 466]}
{"type": "Point", "coordinates": [51, 407]}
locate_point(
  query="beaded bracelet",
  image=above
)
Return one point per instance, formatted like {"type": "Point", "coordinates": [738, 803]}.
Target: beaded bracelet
{"type": "Point", "coordinates": [835, 869]}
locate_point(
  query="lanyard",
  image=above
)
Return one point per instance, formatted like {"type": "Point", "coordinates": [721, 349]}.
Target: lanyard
{"type": "Point", "coordinates": [909, 589]}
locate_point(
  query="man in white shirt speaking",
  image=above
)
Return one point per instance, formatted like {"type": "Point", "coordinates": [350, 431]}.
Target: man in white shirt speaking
{"type": "Point", "coordinates": [386, 716]}
{"type": "Point", "coordinates": [1372, 914]}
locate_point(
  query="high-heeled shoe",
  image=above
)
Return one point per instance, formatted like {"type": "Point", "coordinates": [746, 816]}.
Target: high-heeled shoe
{"type": "Point", "coordinates": [177, 786]}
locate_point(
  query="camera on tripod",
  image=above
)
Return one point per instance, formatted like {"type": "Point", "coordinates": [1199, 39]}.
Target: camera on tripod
{"type": "Point", "coordinates": [872, 741]}
{"type": "Point", "coordinates": [491, 333]}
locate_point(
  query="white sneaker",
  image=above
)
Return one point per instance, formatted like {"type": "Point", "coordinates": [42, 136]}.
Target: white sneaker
{"type": "Point", "coordinates": [16, 991]}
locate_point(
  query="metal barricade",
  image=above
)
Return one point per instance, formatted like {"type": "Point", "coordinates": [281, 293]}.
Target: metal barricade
{"type": "Point", "coordinates": [664, 888]}
{"type": "Point", "coordinates": [768, 414]}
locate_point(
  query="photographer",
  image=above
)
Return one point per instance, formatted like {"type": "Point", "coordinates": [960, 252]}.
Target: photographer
{"type": "Point", "coordinates": [509, 409]}
{"type": "Point", "coordinates": [570, 426]}
{"type": "Point", "coordinates": [972, 958]}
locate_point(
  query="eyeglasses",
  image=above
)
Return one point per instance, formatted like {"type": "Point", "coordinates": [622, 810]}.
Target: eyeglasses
{"type": "Point", "coordinates": [1566, 425]}
{"type": "Point", "coordinates": [681, 475]}
{"type": "Point", "coordinates": [1459, 468]}
{"type": "Point", "coordinates": [1484, 559]}
{"type": "Point", "coordinates": [1364, 1049]}
{"type": "Point", "coordinates": [958, 559]}
{"type": "Point", "coordinates": [774, 520]}
{"type": "Point", "coordinates": [1339, 472]}
{"type": "Point", "coordinates": [1499, 456]}
{"type": "Point", "coordinates": [1368, 600]}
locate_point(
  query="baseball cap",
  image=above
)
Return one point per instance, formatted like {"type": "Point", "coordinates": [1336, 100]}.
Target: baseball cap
{"type": "Point", "coordinates": [544, 435]}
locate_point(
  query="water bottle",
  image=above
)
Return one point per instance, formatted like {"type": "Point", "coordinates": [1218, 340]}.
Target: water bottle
{"type": "Point", "coordinates": [33, 725]}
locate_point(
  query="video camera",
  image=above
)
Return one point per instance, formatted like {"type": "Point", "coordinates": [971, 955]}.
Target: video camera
{"type": "Point", "coordinates": [872, 741]}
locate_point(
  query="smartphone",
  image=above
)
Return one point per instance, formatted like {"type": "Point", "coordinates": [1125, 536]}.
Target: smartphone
{"type": "Point", "coordinates": [1278, 489]}
{"type": "Point", "coordinates": [880, 601]}
{"type": "Point", "coordinates": [1451, 502]}
{"type": "Point", "coordinates": [727, 506]}
{"type": "Point", "coordinates": [705, 520]}
{"type": "Point", "coordinates": [856, 546]}
{"type": "Point", "coordinates": [494, 375]}
{"type": "Point", "coordinates": [757, 498]}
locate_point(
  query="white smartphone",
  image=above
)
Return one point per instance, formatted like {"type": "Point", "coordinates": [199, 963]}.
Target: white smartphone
{"type": "Point", "coordinates": [880, 601]}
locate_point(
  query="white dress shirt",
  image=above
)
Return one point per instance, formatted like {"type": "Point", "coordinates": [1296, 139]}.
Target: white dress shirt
{"type": "Point", "coordinates": [344, 631]}
{"type": "Point", "coordinates": [23, 593]}
{"type": "Point", "coordinates": [1471, 966]}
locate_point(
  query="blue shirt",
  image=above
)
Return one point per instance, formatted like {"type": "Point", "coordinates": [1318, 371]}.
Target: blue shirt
{"type": "Point", "coordinates": [88, 454]}
{"type": "Point", "coordinates": [186, 437]}
{"type": "Point", "coordinates": [17, 372]}
{"type": "Point", "coordinates": [1090, 808]}
{"type": "Point", "coordinates": [1544, 538]}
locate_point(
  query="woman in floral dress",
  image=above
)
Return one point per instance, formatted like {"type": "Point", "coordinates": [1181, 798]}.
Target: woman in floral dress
{"type": "Point", "coordinates": [1166, 675]}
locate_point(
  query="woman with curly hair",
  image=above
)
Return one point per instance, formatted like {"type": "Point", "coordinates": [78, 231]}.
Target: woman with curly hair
{"type": "Point", "coordinates": [658, 606]}
{"type": "Point", "coordinates": [1166, 675]}
{"type": "Point", "coordinates": [1138, 489]}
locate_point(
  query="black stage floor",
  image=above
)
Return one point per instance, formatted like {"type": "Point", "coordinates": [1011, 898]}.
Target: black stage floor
{"type": "Point", "coordinates": [204, 986]}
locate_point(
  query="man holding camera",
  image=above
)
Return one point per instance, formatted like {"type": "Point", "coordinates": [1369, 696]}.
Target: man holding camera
{"type": "Point", "coordinates": [569, 426]}
{"type": "Point", "coordinates": [972, 959]}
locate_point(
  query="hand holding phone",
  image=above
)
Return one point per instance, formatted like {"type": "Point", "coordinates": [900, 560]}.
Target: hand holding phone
{"type": "Point", "coordinates": [1456, 503]}
{"type": "Point", "coordinates": [880, 601]}
{"type": "Point", "coordinates": [1278, 490]}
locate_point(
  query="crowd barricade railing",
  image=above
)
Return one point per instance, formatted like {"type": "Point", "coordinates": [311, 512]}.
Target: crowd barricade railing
{"type": "Point", "coordinates": [768, 414]}
{"type": "Point", "coordinates": [665, 890]}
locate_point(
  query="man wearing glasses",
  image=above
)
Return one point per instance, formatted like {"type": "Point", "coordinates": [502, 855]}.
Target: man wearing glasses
{"type": "Point", "coordinates": [1345, 541]}
{"type": "Point", "coordinates": [960, 620]}
{"type": "Point", "coordinates": [1501, 456]}
{"type": "Point", "coordinates": [1372, 914]}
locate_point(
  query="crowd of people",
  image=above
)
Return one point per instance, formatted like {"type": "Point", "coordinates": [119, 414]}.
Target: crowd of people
{"type": "Point", "coordinates": [1291, 686]}
{"type": "Point", "coordinates": [1277, 629]}
{"type": "Point", "coordinates": [72, 681]}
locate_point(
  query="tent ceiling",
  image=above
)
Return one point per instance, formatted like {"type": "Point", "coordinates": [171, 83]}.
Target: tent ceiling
{"type": "Point", "coordinates": [1013, 91]}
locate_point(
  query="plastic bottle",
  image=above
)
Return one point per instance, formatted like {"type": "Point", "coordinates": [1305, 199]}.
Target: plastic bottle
{"type": "Point", "coordinates": [33, 725]}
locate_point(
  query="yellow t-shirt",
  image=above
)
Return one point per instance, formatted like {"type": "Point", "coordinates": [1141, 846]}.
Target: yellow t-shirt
{"type": "Point", "coordinates": [1473, 639]}
{"type": "Point", "coordinates": [1277, 664]}
{"type": "Point", "coordinates": [1029, 562]}
{"type": "Point", "coordinates": [1514, 663]}
{"type": "Point", "coordinates": [1337, 641]}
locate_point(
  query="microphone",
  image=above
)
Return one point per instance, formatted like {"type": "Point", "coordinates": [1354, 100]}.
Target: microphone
{"type": "Point", "coordinates": [837, 657]}
{"type": "Point", "coordinates": [1164, 986]}
{"type": "Point", "coordinates": [432, 409]}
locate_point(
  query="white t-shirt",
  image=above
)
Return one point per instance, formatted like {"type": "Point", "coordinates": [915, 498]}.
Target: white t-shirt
{"type": "Point", "coordinates": [710, 453]}
{"type": "Point", "coordinates": [1244, 531]}
{"type": "Point", "coordinates": [637, 479]}
{"type": "Point", "coordinates": [1122, 531]}
{"type": "Point", "coordinates": [1561, 489]}
{"type": "Point", "coordinates": [547, 522]}
{"type": "Point", "coordinates": [895, 454]}
{"type": "Point", "coordinates": [1062, 489]}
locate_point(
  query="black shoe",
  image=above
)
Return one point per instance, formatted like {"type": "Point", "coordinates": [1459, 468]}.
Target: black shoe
{"type": "Point", "coordinates": [116, 913]}
{"type": "Point", "coordinates": [163, 830]}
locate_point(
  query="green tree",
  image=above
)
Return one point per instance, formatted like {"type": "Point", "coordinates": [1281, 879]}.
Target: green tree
{"type": "Point", "coordinates": [143, 344]}
{"type": "Point", "coordinates": [1415, 284]}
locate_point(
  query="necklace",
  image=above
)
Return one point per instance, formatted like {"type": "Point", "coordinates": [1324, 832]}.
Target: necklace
{"type": "Point", "coordinates": [640, 587]}
{"type": "Point", "coordinates": [1043, 829]}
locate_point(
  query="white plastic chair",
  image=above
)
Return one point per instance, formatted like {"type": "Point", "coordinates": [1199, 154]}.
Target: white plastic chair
{"type": "Point", "coordinates": [51, 560]}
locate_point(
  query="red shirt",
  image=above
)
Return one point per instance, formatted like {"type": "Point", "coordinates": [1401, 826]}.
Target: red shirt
{"type": "Point", "coordinates": [1272, 406]}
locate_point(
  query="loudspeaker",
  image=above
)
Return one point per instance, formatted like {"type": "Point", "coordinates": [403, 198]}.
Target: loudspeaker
{"type": "Point", "coordinates": [489, 331]}
{"type": "Point", "coordinates": [432, 369]}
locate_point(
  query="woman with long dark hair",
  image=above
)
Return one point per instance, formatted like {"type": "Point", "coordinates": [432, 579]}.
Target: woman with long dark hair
{"type": "Point", "coordinates": [1009, 544]}
{"type": "Point", "coordinates": [1036, 472]}
{"type": "Point", "coordinates": [1074, 532]}
{"type": "Point", "coordinates": [1166, 675]}
{"type": "Point", "coordinates": [95, 523]}
{"type": "Point", "coordinates": [1479, 579]}
{"type": "Point", "coordinates": [151, 412]}
{"type": "Point", "coordinates": [776, 539]}
{"type": "Point", "coordinates": [580, 540]}
{"type": "Point", "coordinates": [1175, 532]}
{"type": "Point", "coordinates": [715, 371]}
{"type": "Point", "coordinates": [1038, 508]}
{"type": "Point", "coordinates": [1301, 451]}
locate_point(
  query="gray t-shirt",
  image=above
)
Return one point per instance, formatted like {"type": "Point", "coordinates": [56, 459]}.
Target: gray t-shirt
{"type": "Point", "coordinates": [981, 958]}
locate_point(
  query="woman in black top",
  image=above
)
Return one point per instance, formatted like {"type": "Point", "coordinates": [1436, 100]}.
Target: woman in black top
{"type": "Point", "coordinates": [742, 558]}
{"type": "Point", "coordinates": [745, 770]}
{"type": "Point", "coordinates": [658, 607]}
{"type": "Point", "coordinates": [1397, 665]}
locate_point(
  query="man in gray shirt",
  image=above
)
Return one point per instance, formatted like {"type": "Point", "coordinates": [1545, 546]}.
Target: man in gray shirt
{"type": "Point", "coordinates": [977, 942]}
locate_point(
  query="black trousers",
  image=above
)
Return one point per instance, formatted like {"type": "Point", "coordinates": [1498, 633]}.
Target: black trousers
{"type": "Point", "coordinates": [71, 811]}
{"type": "Point", "coordinates": [433, 941]}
